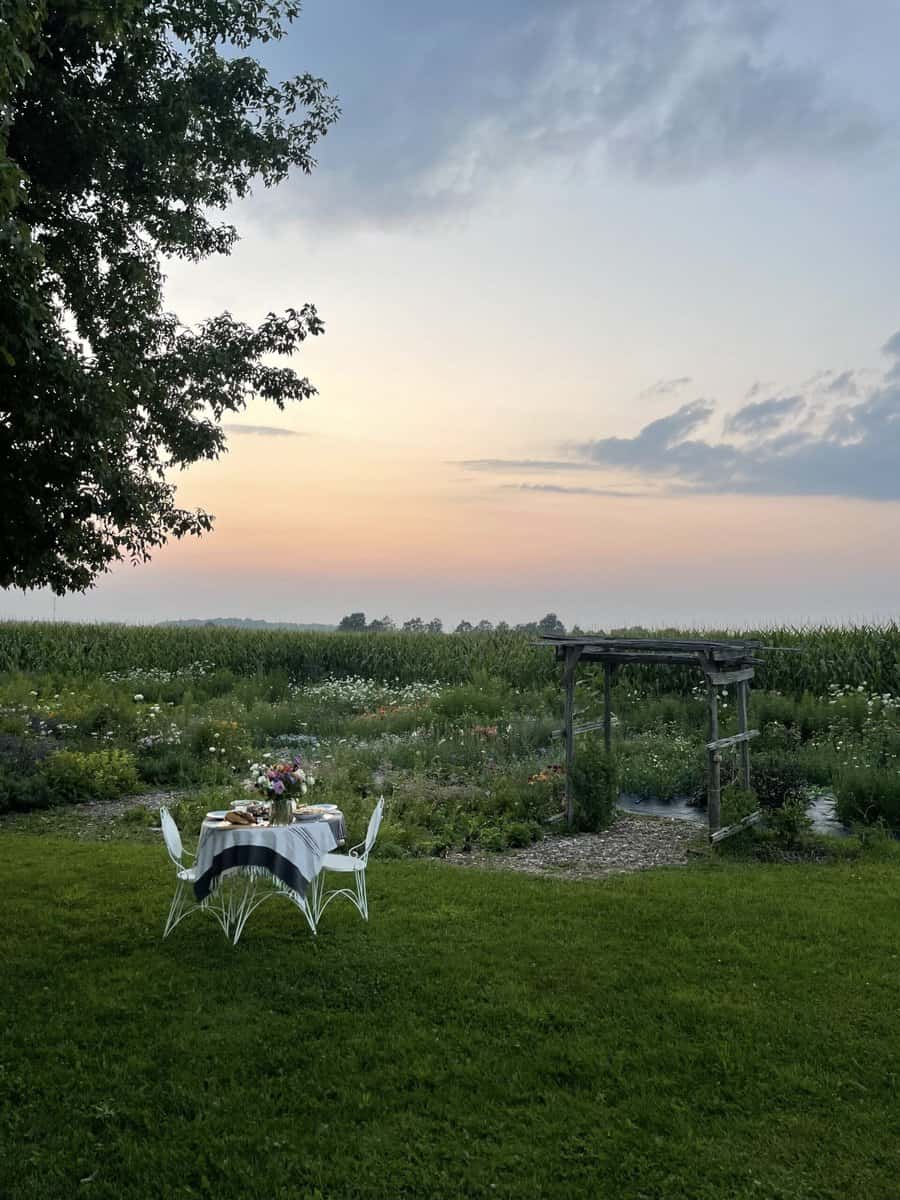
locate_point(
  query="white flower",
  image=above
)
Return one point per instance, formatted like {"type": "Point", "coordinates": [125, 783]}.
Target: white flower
{"type": "Point", "coordinates": [212, 749]}
{"type": "Point", "coordinates": [262, 780]}
{"type": "Point", "coordinates": [310, 779]}
{"type": "Point", "coordinates": [303, 789]}
{"type": "Point", "coordinates": [138, 696]}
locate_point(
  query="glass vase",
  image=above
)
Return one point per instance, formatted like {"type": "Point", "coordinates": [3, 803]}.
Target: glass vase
{"type": "Point", "coordinates": [281, 810]}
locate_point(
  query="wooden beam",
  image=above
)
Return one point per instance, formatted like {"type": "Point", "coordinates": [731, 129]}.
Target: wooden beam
{"type": "Point", "coordinates": [714, 764]}
{"type": "Point", "coordinates": [745, 822]}
{"type": "Point", "coordinates": [743, 690]}
{"type": "Point", "coordinates": [573, 653]}
{"type": "Point", "coordinates": [709, 645]}
{"type": "Point", "coordinates": [662, 657]}
{"type": "Point", "coordinates": [589, 727]}
{"type": "Point", "coordinates": [736, 739]}
{"type": "Point", "coordinates": [723, 678]}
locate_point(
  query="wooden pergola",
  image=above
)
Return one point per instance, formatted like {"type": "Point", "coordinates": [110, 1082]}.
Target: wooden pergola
{"type": "Point", "coordinates": [721, 662]}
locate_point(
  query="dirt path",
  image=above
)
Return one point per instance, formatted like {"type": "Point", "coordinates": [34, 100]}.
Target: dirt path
{"type": "Point", "coordinates": [632, 843]}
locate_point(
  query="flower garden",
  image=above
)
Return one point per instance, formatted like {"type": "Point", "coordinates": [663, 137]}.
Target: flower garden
{"type": "Point", "coordinates": [466, 762]}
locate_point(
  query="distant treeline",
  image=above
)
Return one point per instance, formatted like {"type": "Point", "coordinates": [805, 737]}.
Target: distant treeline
{"type": "Point", "coordinates": [861, 656]}
{"type": "Point", "coordinates": [357, 623]}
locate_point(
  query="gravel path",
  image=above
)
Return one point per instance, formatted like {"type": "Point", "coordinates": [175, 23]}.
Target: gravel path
{"type": "Point", "coordinates": [84, 821]}
{"type": "Point", "coordinates": [631, 843]}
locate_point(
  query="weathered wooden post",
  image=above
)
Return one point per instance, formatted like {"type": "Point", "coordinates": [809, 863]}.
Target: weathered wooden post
{"type": "Point", "coordinates": [714, 781]}
{"type": "Point", "coordinates": [573, 653]}
{"type": "Point", "coordinates": [743, 689]}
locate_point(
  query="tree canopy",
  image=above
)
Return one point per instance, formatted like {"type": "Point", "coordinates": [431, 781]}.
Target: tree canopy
{"type": "Point", "coordinates": [125, 126]}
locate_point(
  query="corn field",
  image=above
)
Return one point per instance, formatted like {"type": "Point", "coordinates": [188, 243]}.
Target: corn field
{"type": "Point", "coordinates": [821, 655]}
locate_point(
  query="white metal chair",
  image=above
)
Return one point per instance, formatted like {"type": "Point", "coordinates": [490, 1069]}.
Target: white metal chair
{"type": "Point", "coordinates": [353, 863]}
{"type": "Point", "coordinates": [183, 901]}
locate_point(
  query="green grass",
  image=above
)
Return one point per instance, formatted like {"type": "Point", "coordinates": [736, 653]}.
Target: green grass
{"type": "Point", "coordinates": [709, 1032]}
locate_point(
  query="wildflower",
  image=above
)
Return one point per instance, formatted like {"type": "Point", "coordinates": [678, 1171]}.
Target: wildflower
{"type": "Point", "coordinates": [138, 696]}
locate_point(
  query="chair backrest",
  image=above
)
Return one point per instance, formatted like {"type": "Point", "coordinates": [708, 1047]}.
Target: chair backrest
{"type": "Point", "coordinates": [374, 826]}
{"type": "Point", "coordinates": [171, 836]}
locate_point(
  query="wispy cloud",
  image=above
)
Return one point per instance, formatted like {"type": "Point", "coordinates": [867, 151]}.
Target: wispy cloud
{"type": "Point", "coordinates": [519, 464]}
{"type": "Point", "coordinates": [448, 102]}
{"type": "Point", "coordinates": [558, 489]}
{"type": "Point", "coordinates": [764, 415]}
{"type": "Point", "coordinates": [665, 387]}
{"type": "Point", "coordinates": [275, 431]}
{"type": "Point", "coordinates": [843, 384]}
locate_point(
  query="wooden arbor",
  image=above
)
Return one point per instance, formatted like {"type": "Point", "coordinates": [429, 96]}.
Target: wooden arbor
{"type": "Point", "coordinates": [722, 663]}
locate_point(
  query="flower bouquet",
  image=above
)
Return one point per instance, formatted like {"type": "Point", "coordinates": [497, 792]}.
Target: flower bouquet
{"type": "Point", "coordinates": [279, 784]}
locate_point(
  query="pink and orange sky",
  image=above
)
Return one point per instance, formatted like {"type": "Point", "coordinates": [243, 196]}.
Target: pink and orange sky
{"type": "Point", "coordinates": [611, 312]}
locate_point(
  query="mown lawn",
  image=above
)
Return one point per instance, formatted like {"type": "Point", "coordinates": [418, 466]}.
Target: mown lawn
{"type": "Point", "coordinates": [707, 1032]}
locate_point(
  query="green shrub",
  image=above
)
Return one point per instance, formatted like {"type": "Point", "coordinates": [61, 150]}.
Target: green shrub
{"type": "Point", "coordinates": [595, 785]}
{"type": "Point", "coordinates": [777, 779]}
{"type": "Point", "coordinates": [96, 775]}
{"type": "Point", "coordinates": [522, 833]}
{"type": "Point", "coordinates": [22, 792]}
{"type": "Point", "coordinates": [514, 797]}
{"type": "Point", "coordinates": [456, 701]}
{"type": "Point", "coordinates": [869, 795]}
{"type": "Point", "coordinates": [737, 803]}
{"type": "Point", "coordinates": [493, 837]}
{"type": "Point", "coordinates": [789, 824]}
{"type": "Point", "coordinates": [170, 766]}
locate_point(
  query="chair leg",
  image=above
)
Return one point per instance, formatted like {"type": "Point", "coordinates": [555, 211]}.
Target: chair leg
{"type": "Point", "coordinates": [178, 910]}
{"type": "Point", "coordinates": [181, 907]}
{"type": "Point", "coordinates": [357, 895]}
{"type": "Point", "coordinates": [314, 898]}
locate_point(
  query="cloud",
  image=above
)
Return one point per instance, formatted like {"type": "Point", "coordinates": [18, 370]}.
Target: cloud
{"type": "Point", "coordinates": [519, 464]}
{"type": "Point", "coordinates": [843, 384]}
{"type": "Point", "coordinates": [664, 440]}
{"type": "Point", "coordinates": [854, 452]}
{"type": "Point", "coordinates": [263, 430]}
{"type": "Point", "coordinates": [559, 489]}
{"type": "Point", "coordinates": [665, 387]}
{"type": "Point", "coordinates": [847, 448]}
{"type": "Point", "coordinates": [764, 416]}
{"type": "Point", "coordinates": [755, 388]}
{"type": "Point", "coordinates": [449, 101]}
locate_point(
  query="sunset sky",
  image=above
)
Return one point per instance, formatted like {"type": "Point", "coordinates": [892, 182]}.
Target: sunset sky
{"type": "Point", "coordinates": [612, 325]}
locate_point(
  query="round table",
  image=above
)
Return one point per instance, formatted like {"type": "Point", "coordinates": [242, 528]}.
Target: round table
{"type": "Point", "coordinates": [240, 866]}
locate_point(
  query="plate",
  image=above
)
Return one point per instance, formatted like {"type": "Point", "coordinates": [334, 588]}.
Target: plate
{"type": "Point", "coordinates": [327, 807]}
{"type": "Point", "coordinates": [217, 815]}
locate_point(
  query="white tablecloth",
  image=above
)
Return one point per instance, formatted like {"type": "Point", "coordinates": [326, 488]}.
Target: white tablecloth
{"type": "Point", "coordinates": [293, 854]}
